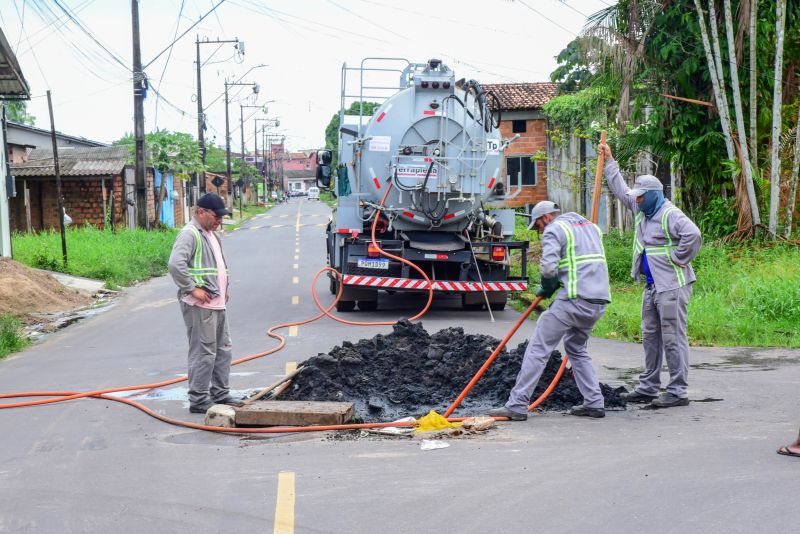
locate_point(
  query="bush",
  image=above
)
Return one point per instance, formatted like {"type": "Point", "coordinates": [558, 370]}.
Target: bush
{"type": "Point", "coordinates": [11, 339]}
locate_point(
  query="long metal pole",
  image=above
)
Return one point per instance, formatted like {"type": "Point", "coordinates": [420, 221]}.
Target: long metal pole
{"type": "Point", "coordinates": [228, 148]}
{"type": "Point", "coordinates": [243, 174]}
{"type": "Point", "coordinates": [201, 136]}
{"type": "Point", "coordinates": [138, 121]}
{"type": "Point", "coordinates": [255, 156]}
{"type": "Point", "coordinates": [58, 181]}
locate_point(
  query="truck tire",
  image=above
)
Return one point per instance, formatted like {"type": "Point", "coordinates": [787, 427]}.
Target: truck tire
{"type": "Point", "coordinates": [367, 305]}
{"type": "Point", "coordinates": [498, 300]}
{"type": "Point", "coordinates": [345, 305]}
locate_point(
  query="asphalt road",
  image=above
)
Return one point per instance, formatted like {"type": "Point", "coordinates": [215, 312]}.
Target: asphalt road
{"type": "Point", "coordinates": [99, 466]}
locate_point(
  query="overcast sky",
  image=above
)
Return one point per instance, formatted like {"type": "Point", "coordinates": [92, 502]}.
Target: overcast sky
{"type": "Point", "coordinates": [303, 42]}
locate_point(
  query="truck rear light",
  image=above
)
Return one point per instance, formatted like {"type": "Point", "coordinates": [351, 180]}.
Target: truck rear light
{"type": "Point", "coordinates": [441, 256]}
{"type": "Point", "coordinates": [373, 251]}
{"type": "Point", "coordinates": [498, 253]}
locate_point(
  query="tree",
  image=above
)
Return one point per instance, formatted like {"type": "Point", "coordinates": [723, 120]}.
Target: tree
{"type": "Point", "coordinates": [17, 111]}
{"type": "Point", "coordinates": [777, 102]}
{"type": "Point", "coordinates": [332, 129]}
{"type": "Point", "coordinates": [175, 153]}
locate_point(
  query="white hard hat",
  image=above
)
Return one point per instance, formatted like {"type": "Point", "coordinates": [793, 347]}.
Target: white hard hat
{"type": "Point", "coordinates": [645, 182]}
{"type": "Point", "coordinates": [543, 208]}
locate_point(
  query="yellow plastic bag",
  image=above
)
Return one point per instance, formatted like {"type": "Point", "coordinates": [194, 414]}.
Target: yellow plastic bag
{"type": "Point", "coordinates": [434, 421]}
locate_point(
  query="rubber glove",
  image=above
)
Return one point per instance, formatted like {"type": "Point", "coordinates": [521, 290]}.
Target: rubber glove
{"type": "Point", "coordinates": [548, 286]}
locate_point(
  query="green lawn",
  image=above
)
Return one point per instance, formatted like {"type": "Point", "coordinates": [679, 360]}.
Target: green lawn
{"type": "Point", "coordinates": [745, 294]}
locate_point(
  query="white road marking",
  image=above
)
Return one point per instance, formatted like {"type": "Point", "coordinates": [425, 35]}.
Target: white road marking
{"type": "Point", "coordinates": [295, 299]}
{"type": "Point", "coordinates": [295, 279]}
{"type": "Point", "coordinates": [293, 331]}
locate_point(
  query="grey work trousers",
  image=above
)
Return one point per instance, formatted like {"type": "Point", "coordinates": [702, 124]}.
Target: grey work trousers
{"type": "Point", "coordinates": [573, 321]}
{"type": "Point", "coordinates": [209, 353]}
{"type": "Point", "coordinates": [664, 317]}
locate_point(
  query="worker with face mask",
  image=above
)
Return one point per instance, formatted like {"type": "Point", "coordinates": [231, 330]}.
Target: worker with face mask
{"type": "Point", "coordinates": [574, 260]}
{"type": "Point", "coordinates": [665, 243]}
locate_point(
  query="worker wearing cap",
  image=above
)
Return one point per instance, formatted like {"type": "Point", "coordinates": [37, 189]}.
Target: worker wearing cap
{"type": "Point", "coordinates": [199, 269]}
{"type": "Point", "coordinates": [665, 243]}
{"type": "Point", "coordinates": [573, 259]}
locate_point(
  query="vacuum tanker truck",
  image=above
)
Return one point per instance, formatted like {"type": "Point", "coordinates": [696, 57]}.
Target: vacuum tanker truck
{"type": "Point", "coordinates": [434, 146]}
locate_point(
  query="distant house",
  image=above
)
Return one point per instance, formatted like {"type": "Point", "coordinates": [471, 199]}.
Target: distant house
{"type": "Point", "coordinates": [13, 86]}
{"type": "Point", "coordinates": [97, 188]}
{"type": "Point", "coordinates": [22, 138]}
{"type": "Point", "coordinates": [300, 170]}
{"type": "Point", "coordinates": [521, 105]}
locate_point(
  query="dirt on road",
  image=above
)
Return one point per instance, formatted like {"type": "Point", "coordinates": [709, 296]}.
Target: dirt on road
{"type": "Point", "coordinates": [25, 292]}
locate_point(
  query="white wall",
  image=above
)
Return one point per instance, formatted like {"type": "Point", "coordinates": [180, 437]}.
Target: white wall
{"type": "Point", "coordinates": [5, 225]}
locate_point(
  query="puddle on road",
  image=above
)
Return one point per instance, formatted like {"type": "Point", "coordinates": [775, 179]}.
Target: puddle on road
{"type": "Point", "coordinates": [180, 394]}
{"type": "Point", "coordinates": [748, 359]}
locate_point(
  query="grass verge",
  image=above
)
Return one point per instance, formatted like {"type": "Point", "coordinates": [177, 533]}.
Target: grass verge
{"type": "Point", "coordinates": [745, 295]}
{"type": "Point", "coordinates": [11, 338]}
{"type": "Point", "coordinates": [120, 259]}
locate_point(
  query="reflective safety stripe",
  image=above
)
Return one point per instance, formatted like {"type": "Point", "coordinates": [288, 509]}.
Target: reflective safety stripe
{"type": "Point", "coordinates": [572, 260]}
{"type": "Point", "coordinates": [196, 271]}
{"type": "Point", "coordinates": [663, 250]}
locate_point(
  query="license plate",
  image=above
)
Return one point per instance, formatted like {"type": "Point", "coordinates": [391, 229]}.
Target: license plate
{"type": "Point", "coordinates": [373, 263]}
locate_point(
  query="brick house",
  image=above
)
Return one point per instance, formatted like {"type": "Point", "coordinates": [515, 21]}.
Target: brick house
{"type": "Point", "coordinates": [521, 105]}
{"type": "Point", "coordinates": [96, 185]}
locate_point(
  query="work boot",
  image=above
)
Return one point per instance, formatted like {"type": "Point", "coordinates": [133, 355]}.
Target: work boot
{"type": "Point", "coordinates": [635, 396]}
{"type": "Point", "coordinates": [668, 400]}
{"type": "Point", "coordinates": [505, 412]}
{"type": "Point", "coordinates": [201, 408]}
{"type": "Point", "coordinates": [230, 401]}
{"type": "Point", "coordinates": [586, 411]}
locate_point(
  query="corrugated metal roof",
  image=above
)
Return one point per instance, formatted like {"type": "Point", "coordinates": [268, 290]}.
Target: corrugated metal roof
{"type": "Point", "coordinates": [522, 96]}
{"type": "Point", "coordinates": [12, 82]}
{"type": "Point", "coordinates": [79, 161]}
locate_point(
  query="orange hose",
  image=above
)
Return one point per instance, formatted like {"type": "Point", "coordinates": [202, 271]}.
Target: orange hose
{"type": "Point", "coordinates": [103, 393]}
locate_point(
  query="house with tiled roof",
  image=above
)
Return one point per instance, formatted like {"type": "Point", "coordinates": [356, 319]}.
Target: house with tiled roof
{"type": "Point", "coordinates": [521, 105]}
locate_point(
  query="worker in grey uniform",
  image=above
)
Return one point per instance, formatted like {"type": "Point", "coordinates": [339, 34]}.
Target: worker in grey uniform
{"type": "Point", "coordinates": [573, 258]}
{"type": "Point", "coordinates": [200, 271]}
{"type": "Point", "coordinates": [665, 243]}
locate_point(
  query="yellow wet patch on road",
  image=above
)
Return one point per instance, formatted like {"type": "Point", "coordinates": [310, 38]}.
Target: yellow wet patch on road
{"type": "Point", "coordinates": [284, 503]}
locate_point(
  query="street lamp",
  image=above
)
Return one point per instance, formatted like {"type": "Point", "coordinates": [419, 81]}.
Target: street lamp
{"type": "Point", "coordinates": [201, 122]}
{"type": "Point", "coordinates": [267, 178]}
{"type": "Point", "coordinates": [243, 177]}
{"type": "Point", "coordinates": [256, 89]}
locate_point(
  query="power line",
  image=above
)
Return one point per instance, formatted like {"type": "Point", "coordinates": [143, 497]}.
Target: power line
{"type": "Point", "coordinates": [166, 63]}
{"type": "Point", "coordinates": [74, 19]}
{"type": "Point", "coordinates": [169, 47]}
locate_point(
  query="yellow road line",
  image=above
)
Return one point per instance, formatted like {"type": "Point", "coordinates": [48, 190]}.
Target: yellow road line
{"type": "Point", "coordinates": [293, 331]}
{"type": "Point", "coordinates": [296, 257]}
{"type": "Point", "coordinates": [284, 504]}
{"type": "Point", "coordinates": [295, 300]}
{"type": "Point", "coordinates": [297, 251]}
{"type": "Point", "coordinates": [291, 367]}
{"type": "Point", "coordinates": [296, 266]}
{"type": "Point", "coordinates": [295, 280]}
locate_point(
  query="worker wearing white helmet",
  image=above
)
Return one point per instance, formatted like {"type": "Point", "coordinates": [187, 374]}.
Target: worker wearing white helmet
{"type": "Point", "coordinates": [573, 259]}
{"type": "Point", "coordinates": [665, 243]}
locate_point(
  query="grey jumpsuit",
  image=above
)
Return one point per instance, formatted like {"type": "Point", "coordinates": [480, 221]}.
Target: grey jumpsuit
{"type": "Point", "coordinates": [572, 249]}
{"type": "Point", "coordinates": [671, 241]}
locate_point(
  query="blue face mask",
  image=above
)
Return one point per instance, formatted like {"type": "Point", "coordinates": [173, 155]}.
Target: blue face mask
{"type": "Point", "coordinates": [652, 202]}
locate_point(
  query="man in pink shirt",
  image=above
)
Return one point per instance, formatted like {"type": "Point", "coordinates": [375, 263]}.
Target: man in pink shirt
{"type": "Point", "coordinates": [199, 269]}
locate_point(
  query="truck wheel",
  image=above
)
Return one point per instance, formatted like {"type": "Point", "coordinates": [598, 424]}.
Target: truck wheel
{"type": "Point", "coordinates": [471, 302]}
{"type": "Point", "coordinates": [497, 301]}
{"type": "Point", "coordinates": [497, 306]}
{"type": "Point", "coordinates": [345, 305]}
{"type": "Point", "coordinates": [334, 285]}
{"type": "Point", "coordinates": [367, 305]}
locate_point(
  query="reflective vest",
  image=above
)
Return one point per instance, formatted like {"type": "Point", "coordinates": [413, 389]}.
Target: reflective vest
{"type": "Point", "coordinates": [582, 268]}
{"type": "Point", "coordinates": [196, 269]}
{"type": "Point", "coordinates": [657, 252]}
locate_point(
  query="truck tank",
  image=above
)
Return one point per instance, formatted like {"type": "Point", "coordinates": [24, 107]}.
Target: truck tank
{"type": "Point", "coordinates": [436, 140]}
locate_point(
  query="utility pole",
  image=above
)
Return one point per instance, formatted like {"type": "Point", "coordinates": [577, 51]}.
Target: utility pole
{"type": "Point", "coordinates": [201, 117]}
{"type": "Point", "coordinates": [57, 170]}
{"type": "Point", "coordinates": [243, 175]}
{"type": "Point", "coordinates": [138, 121]}
{"type": "Point", "coordinates": [256, 88]}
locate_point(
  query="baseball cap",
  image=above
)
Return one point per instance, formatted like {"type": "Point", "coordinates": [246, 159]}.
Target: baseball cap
{"type": "Point", "coordinates": [213, 202]}
{"type": "Point", "coordinates": [542, 208]}
{"type": "Point", "coordinates": [645, 182]}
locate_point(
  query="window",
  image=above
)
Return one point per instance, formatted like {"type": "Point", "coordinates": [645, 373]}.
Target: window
{"type": "Point", "coordinates": [519, 126]}
{"type": "Point", "coordinates": [520, 166]}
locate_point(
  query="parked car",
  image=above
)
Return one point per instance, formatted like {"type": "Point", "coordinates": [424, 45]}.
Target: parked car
{"type": "Point", "coordinates": [313, 193]}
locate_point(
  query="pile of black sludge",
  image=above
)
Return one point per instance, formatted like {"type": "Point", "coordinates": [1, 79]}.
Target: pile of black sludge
{"type": "Point", "coordinates": [410, 372]}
